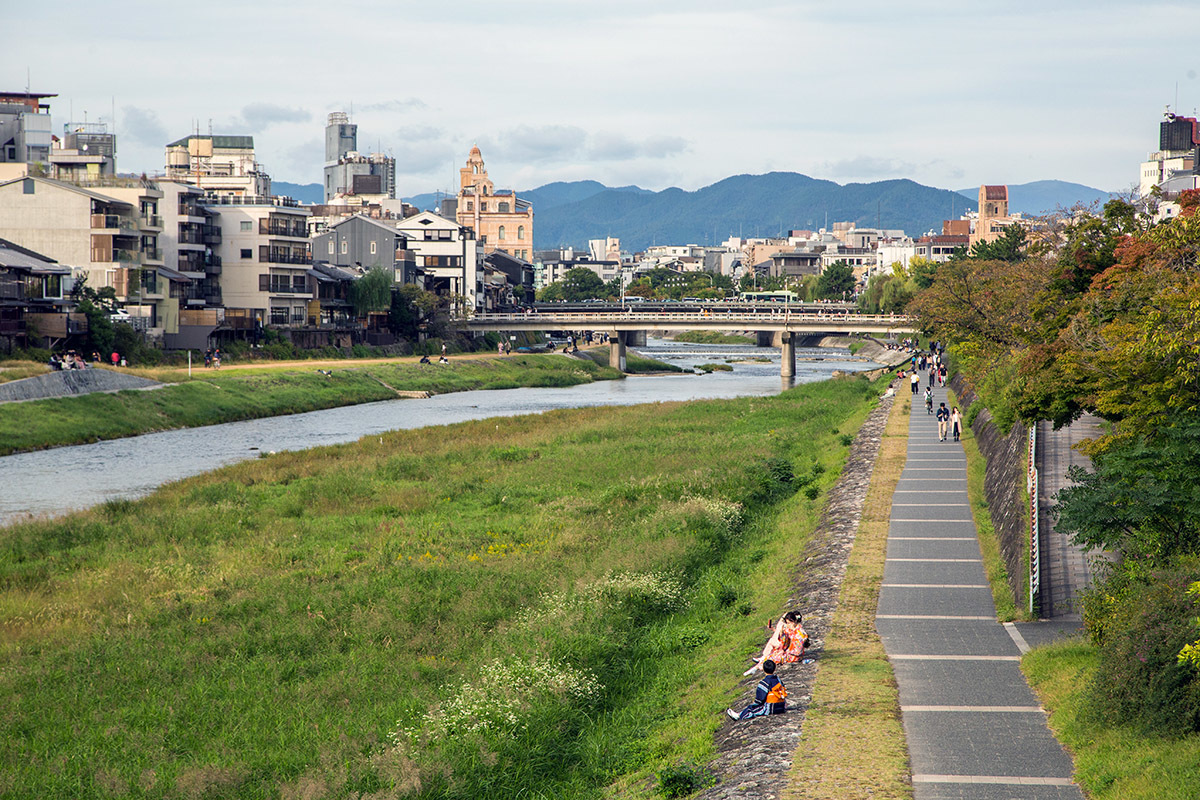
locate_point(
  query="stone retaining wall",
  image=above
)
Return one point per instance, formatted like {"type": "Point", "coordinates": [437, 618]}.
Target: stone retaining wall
{"type": "Point", "coordinates": [1003, 484]}
{"type": "Point", "coordinates": [71, 382]}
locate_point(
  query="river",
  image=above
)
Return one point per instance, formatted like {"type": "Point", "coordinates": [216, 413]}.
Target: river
{"type": "Point", "coordinates": [52, 482]}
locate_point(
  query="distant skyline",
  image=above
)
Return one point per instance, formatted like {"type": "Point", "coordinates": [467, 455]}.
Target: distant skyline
{"type": "Point", "coordinates": [659, 94]}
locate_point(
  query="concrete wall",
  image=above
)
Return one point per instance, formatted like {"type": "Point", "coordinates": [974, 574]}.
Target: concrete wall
{"type": "Point", "coordinates": [71, 382]}
{"type": "Point", "coordinates": [1004, 484]}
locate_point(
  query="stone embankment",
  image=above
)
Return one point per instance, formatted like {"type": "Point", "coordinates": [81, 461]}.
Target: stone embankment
{"type": "Point", "coordinates": [755, 756]}
{"type": "Point", "coordinates": [1002, 484]}
{"type": "Point", "coordinates": [72, 382]}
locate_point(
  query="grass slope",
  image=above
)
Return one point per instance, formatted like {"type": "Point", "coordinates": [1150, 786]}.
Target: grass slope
{"type": "Point", "coordinates": [213, 396]}
{"type": "Point", "coordinates": [713, 337]}
{"type": "Point", "coordinates": [552, 605]}
{"type": "Point", "coordinates": [1111, 763]}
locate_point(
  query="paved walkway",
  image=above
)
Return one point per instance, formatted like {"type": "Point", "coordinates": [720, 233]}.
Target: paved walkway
{"type": "Point", "coordinates": [1066, 569]}
{"type": "Point", "coordinates": [975, 730]}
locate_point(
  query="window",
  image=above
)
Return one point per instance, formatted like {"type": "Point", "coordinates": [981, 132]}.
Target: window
{"type": "Point", "coordinates": [521, 233]}
{"type": "Point", "coordinates": [503, 208]}
{"type": "Point", "coordinates": [345, 247]}
{"type": "Point", "coordinates": [247, 252]}
{"type": "Point", "coordinates": [500, 234]}
{"type": "Point", "coordinates": [373, 250]}
{"type": "Point", "coordinates": [331, 247]}
{"type": "Point", "coordinates": [470, 206]}
{"type": "Point", "coordinates": [483, 206]}
{"type": "Point", "coordinates": [27, 184]}
{"type": "Point", "coordinates": [247, 225]}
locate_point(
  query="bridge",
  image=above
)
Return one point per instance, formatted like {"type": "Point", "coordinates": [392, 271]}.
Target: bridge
{"type": "Point", "coordinates": [624, 323]}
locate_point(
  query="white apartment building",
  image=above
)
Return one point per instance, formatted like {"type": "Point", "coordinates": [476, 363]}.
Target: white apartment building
{"type": "Point", "coordinates": [264, 254]}
{"type": "Point", "coordinates": [222, 165]}
{"type": "Point", "coordinates": [449, 254]}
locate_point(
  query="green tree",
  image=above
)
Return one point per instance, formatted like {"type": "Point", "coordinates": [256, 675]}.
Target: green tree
{"type": "Point", "coordinates": [551, 293]}
{"type": "Point", "coordinates": [923, 271]}
{"type": "Point", "coordinates": [1009, 247]}
{"type": "Point", "coordinates": [581, 283]}
{"type": "Point", "coordinates": [414, 311]}
{"type": "Point", "coordinates": [100, 328]}
{"type": "Point", "coordinates": [372, 291]}
{"type": "Point", "coordinates": [836, 281]}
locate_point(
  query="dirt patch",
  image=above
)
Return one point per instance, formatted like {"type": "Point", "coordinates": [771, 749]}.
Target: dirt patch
{"type": "Point", "coordinates": [755, 756]}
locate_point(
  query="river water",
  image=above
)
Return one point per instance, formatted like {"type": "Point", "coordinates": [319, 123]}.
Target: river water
{"type": "Point", "coordinates": [51, 482]}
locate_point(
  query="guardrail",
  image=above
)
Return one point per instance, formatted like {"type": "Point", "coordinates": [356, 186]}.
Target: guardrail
{"type": "Point", "coordinates": [721, 315]}
{"type": "Point", "coordinates": [1035, 547]}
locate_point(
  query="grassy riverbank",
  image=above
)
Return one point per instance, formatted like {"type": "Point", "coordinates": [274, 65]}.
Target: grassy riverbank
{"type": "Point", "coordinates": [712, 337]}
{"type": "Point", "coordinates": [212, 396]}
{"type": "Point", "coordinates": [553, 605]}
{"type": "Point", "coordinates": [1112, 762]}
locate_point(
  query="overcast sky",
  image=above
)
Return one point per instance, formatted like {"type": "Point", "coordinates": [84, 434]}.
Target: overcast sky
{"type": "Point", "coordinates": [653, 92]}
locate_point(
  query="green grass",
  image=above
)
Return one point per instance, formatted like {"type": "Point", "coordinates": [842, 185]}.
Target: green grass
{"type": "Point", "coordinates": [712, 337]}
{"type": "Point", "coordinates": [213, 396]}
{"type": "Point", "coordinates": [16, 370]}
{"type": "Point", "coordinates": [706, 368]}
{"type": "Point", "coordinates": [634, 363]}
{"type": "Point", "coordinates": [265, 630]}
{"type": "Point", "coordinates": [1111, 762]}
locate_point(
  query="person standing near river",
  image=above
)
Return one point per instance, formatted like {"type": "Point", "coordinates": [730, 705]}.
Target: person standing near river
{"type": "Point", "coordinates": [956, 423]}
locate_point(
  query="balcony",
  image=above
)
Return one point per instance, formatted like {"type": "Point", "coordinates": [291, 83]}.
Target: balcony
{"type": "Point", "coordinates": [211, 234]}
{"type": "Point", "coordinates": [249, 200]}
{"type": "Point", "coordinates": [127, 256]}
{"type": "Point", "coordinates": [127, 226]}
{"type": "Point", "coordinates": [283, 257]}
{"type": "Point", "coordinates": [285, 287]}
{"type": "Point", "coordinates": [190, 210]}
{"type": "Point", "coordinates": [279, 227]}
{"type": "Point", "coordinates": [190, 235]}
{"type": "Point", "coordinates": [152, 254]}
{"type": "Point", "coordinates": [152, 221]}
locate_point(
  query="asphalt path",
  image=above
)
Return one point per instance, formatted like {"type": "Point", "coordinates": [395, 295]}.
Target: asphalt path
{"type": "Point", "coordinates": [975, 730]}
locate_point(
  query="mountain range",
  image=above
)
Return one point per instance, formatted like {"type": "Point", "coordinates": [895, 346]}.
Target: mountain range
{"type": "Point", "coordinates": [570, 213]}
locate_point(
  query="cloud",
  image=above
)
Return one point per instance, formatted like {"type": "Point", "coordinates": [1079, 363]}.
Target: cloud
{"type": "Point", "coordinates": [866, 167]}
{"type": "Point", "coordinates": [617, 147]}
{"type": "Point", "coordinates": [420, 133]}
{"type": "Point", "coordinates": [564, 143]}
{"type": "Point", "coordinates": [407, 104]}
{"type": "Point", "coordinates": [142, 127]}
{"type": "Point", "coordinates": [261, 115]}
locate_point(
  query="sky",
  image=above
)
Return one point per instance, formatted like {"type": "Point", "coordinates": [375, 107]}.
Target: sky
{"type": "Point", "coordinates": [659, 93]}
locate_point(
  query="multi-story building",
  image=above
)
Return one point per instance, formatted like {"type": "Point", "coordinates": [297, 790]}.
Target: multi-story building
{"type": "Point", "coordinates": [500, 220]}
{"type": "Point", "coordinates": [450, 256]}
{"type": "Point", "coordinates": [264, 254]}
{"type": "Point", "coordinates": [349, 173]}
{"type": "Point", "coordinates": [222, 165]}
{"type": "Point", "coordinates": [25, 132]}
{"type": "Point", "coordinates": [86, 153]}
{"type": "Point", "coordinates": [1175, 167]}
{"type": "Point", "coordinates": [108, 234]}
{"type": "Point", "coordinates": [993, 216]}
{"type": "Point", "coordinates": [362, 242]}
{"type": "Point", "coordinates": [34, 302]}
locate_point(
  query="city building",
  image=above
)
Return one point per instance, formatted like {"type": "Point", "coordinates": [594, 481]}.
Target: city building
{"type": "Point", "coordinates": [993, 216]}
{"type": "Point", "coordinates": [264, 254]}
{"type": "Point", "coordinates": [362, 242]}
{"type": "Point", "coordinates": [108, 235]}
{"type": "Point", "coordinates": [223, 165]}
{"type": "Point", "coordinates": [25, 133]}
{"type": "Point", "coordinates": [348, 173]}
{"type": "Point", "coordinates": [34, 299]}
{"type": "Point", "coordinates": [1175, 166]}
{"type": "Point", "coordinates": [86, 153]}
{"type": "Point", "coordinates": [500, 220]}
{"type": "Point", "coordinates": [449, 255]}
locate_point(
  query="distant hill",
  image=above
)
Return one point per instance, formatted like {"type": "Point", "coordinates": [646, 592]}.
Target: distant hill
{"type": "Point", "coordinates": [311, 193]}
{"type": "Point", "coordinates": [1042, 197]}
{"type": "Point", "coordinates": [743, 205]}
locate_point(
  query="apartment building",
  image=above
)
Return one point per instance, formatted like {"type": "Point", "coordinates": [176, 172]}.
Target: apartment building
{"type": "Point", "coordinates": [264, 258]}
{"type": "Point", "coordinates": [25, 132]}
{"type": "Point", "coordinates": [86, 152]}
{"type": "Point", "coordinates": [107, 232]}
{"type": "Point", "coordinates": [362, 242]}
{"type": "Point", "coordinates": [223, 165]}
{"type": "Point", "coordinates": [349, 172]}
{"type": "Point", "coordinates": [450, 256]}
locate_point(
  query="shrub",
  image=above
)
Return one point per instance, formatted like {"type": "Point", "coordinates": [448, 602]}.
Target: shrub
{"type": "Point", "coordinates": [683, 779]}
{"type": "Point", "coordinates": [1140, 620]}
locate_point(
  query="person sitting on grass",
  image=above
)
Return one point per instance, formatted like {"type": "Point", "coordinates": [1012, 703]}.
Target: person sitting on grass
{"type": "Point", "coordinates": [769, 696]}
{"type": "Point", "coordinates": [786, 645]}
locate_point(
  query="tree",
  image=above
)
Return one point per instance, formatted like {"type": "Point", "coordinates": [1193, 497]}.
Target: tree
{"type": "Point", "coordinates": [836, 282]}
{"type": "Point", "coordinates": [414, 311]}
{"type": "Point", "coordinates": [1009, 246]}
{"type": "Point", "coordinates": [1142, 498]}
{"type": "Point", "coordinates": [923, 271]}
{"type": "Point", "coordinates": [372, 291]}
{"type": "Point", "coordinates": [581, 283]}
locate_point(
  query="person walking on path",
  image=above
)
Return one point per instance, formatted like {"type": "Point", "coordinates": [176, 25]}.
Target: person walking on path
{"type": "Point", "coordinates": [956, 423]}
{"type": "Point", "coordinates": [929, 401]}
{"type": "Point", "coordinates": [915, 381]}
{"type": "Point", "coordinates": [943, 416]}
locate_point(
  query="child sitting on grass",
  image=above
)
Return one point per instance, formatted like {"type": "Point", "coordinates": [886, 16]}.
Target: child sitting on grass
{"type": "Point", "coordinates": [769, 696]}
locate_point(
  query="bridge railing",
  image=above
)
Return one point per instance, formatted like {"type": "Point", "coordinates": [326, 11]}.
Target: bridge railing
{"type": "Point", "coordinates": [1035, 546]}
{"type": "Point", "coordinates": [722, 315]}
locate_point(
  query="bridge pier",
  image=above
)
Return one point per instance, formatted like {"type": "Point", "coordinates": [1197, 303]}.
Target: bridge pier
{"type": "Point", "coordinates": [765, 338]}
{"type": "Point", "coordinates": [635, 338]}
{"type": "Point", "coordinates": [787, 355]}
{"type": "Point", "coordinates": [616, 349]}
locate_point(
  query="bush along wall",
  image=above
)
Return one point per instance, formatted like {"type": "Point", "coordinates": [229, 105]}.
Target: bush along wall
{"type": "Point", "coordinates": [1003, 483]}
